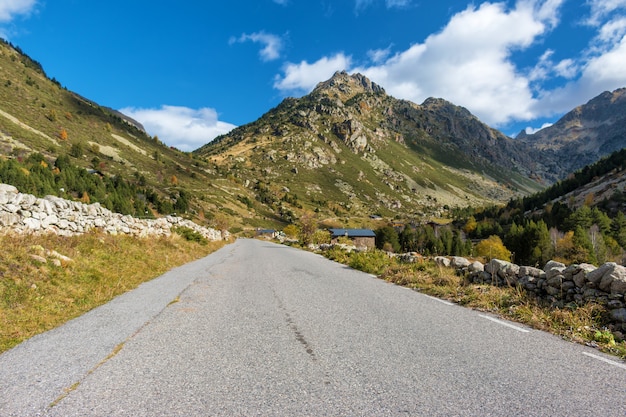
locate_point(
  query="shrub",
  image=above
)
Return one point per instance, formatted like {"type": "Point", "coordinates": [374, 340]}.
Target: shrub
{"type": "Point", "coordinates": [291, 231]}
{"type": "Point", "coordinates": [373, 262]}
{"type": "Point", "coordinates": [493, 248]}
{"type": "Point", "coordinates": [190, 235]}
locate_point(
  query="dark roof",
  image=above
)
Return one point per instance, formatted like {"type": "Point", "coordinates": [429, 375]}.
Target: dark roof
{"type": "Point", "coordinates": [352, 232]}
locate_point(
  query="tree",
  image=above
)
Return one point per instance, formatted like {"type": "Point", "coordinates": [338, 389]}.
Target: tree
{"type": "Point", "coordinates": [618, 229]}
{"type": "Point", "coordinates": [387, 236]}
{"type": "Point", "coordinates": [583, 247]}
{"type": "Point", "coordinates": [76, 150]}
{"type": "Point", "coordinates": [470, 226]}
{"type": "Point", "coordinates": [308, 226]}
{"type": "Point", "coordinates": [291, 231]}
{"type": "Point", "coordinates": [493, 248]}
{"type": "Point", "coordinates": [408, 240]}
{"type": "Point", "coordinates": [63, 134]}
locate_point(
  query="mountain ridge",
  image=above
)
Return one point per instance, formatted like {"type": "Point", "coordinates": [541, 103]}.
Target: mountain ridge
{"type": "Point", "coordinates": [346, 151]}
{"type": "Point", "coordinates": [583, 135]}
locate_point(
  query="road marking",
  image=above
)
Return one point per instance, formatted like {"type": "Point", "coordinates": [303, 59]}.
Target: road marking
{"type": "Point", "coordinates": [448, 303]}
{"type": "Point", "coordinates": [600, 358]}
{"type": "Point", "coordinates": [504, 323]}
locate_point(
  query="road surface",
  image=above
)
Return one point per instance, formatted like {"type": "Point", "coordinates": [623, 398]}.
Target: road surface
{"type": "Point", "coordinates": [259, 329]}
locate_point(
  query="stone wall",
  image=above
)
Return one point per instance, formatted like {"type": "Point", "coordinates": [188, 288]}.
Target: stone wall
{"type": "Point", "coordinates": [25, 213]}
{"type": "Point", "coordinates": [556, 283]}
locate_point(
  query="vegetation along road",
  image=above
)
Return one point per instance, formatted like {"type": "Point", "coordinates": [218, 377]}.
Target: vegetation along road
{"type": "Point", "coordinates": [262, 329]}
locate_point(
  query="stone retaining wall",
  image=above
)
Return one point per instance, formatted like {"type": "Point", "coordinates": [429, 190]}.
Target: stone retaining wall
{"type": "Point", "coordinates": [25, 213]}
{"type": "Point", "coordinates": [555, 283]}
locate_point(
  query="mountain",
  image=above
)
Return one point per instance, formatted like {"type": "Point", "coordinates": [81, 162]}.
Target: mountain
{"type": "Point", "coordinates": [581, 137]}
{"type": "Point", "coordinates": [601, 184]}
{"type": "Point", "coordinates": [351, 149]}
{"type": "Point", "coordinates": [347, 151]}
{"type": "Point", "coordinates": [39, 117]}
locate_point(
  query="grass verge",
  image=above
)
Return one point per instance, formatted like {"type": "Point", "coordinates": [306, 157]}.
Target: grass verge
{"type": "Point", "coordinates": [40, 289]}
{"type": "Point", "coordinates": [582, 324]}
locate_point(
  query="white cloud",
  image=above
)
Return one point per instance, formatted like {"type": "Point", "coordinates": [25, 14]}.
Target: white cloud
{"type": "Point", "coordinates": [9, 9]}
{"type": "Point", "coordinates": [469, 61]}
{"type": "Point", "coordinates": [472, 62]}
{"type": "Point", "coordinates": [600, 9]}
{"type": "Point", "coordinates": [184, 128]}
{"type": "Point", "coordinates": [530, 130]}
{"type": "Point", "coordinates": [272, 44]}
{"type": "Point", "coordinates": [303, 77]}
{"type": "Point", "coordinates": [379, 55]}
{"type": "Point", "coordinates": [612, 31]}
{"type": "Point", "coordinates": [599, 68]}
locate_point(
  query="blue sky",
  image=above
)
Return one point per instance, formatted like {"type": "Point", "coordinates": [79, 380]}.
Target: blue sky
{"type": "Point", "coordinates": [193, 69]}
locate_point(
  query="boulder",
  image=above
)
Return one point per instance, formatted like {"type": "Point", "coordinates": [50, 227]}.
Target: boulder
{"type": "Point", "coordinates": [596, 275]}
{"type": "Point", "coordinates": [7, 189]}
{"type": "Point", "coordinates": [475, 267]}
{"type": "Point", "coordinates": [529, 271]}
{"type": "Point", "coordinates": [580, 277]}
{"type": "Point", "coordinates": [553, 268]}
{"type": "Point", "coordinates": [618, 285]}
{"type": "Point", "coordinates": [459, 262]}
{"type": "Point", "coordinates": [619, 315]}
{"type": "Point", "coordinates": [442, 261]}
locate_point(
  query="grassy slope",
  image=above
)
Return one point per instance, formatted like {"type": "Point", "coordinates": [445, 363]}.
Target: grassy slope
{"type": "Point", "coordinates": [34, 111]}
{"type": "Point", "coordinates": [37, 296]}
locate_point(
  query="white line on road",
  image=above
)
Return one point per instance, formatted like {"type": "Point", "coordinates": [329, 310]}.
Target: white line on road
{"type": "Point", "coordinates": [504, 323]}
{"type": "Point", "coordinates": [448, 303]}
{"type": "Point", "coordinates": [600, 358]}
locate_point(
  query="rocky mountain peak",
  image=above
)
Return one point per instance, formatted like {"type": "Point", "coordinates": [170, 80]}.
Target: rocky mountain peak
{"type": "Point", "coordinates": [346, 86]}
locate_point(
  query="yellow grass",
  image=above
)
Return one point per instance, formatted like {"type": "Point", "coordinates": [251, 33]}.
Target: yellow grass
{"type": "Point", "coordinates": [36, 296]}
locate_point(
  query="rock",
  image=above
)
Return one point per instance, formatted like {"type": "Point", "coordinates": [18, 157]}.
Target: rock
{"type": "Point", "coordinates": [459, 262]}
{"type": "Point", "coordinates": [476, 267]}
{"type": "Point", "coordinates": [555, 281]}
{"type": "Point", "coordinates": [619, 315]}
{"type": "Point", "coordinates": [38, 258]}
{"type": "Point", "coordinates": [32, 223]}
{"type": "Point", "coordinates": [553, 268]}
{"type": "Point", "coordinates": [24, 213]}
{"type": "Point", "coordinates": [442, 261]}
{"type": "Point", "coordinates": [531, 272]}
{"type": "Point", "coordinates": [7, 189]}
{"type": "Point", "coordinates": [596, 275]}
{"type": "Point", "coordinates": [618, 285]}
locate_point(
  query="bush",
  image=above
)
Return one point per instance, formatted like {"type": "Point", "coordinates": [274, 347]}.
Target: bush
{"type": "Point", "coordinates": [493, 248]}
{"type": "Point", "coordinates": [190, 235]}
{"type": "Point", "coordinates": [373, 262]}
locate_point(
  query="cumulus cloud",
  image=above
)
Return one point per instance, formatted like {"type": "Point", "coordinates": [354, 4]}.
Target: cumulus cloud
{"type": "Point", "coordinates": [468, 62]}
{"type": "Point", "coordinates": [9, 9]}
{"type": "Point", "coordinates": [272, 44]}
{"type": "Point", "coordinates": [471, 61]}
{"type": "Point", "coordinates": [182, 127]}
{"type": "Point", "coordinates": [599, 68]}
{"type": "Point", "coordinates": [303, 77]}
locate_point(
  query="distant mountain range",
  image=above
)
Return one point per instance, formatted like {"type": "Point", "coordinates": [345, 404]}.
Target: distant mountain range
{"type": "Point", "coordinates": [346, 151]}
{"type": "Point", "coordinates": [582, 136]}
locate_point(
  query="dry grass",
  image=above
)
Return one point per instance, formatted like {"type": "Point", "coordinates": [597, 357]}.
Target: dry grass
{"type": "Point", "coordinates": [582, 324]}
{"type": "Point", "coordinates": [36, 296]}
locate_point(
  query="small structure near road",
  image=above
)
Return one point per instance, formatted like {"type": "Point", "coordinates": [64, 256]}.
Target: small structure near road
{"type": "Point", "coordinates": [360, 237]}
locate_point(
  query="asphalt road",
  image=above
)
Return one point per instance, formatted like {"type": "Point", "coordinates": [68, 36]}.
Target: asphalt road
{"type": "Point", "coordinates": [258, 329]}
